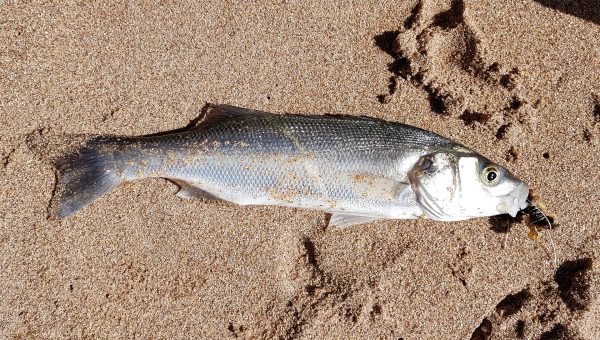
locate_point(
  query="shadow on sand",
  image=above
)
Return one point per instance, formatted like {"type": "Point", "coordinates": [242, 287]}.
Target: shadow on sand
{"type": "Point", "coordinates": [584, 9]}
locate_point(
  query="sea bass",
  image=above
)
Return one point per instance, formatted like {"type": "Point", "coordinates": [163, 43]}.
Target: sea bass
{"type": "Point", "coordinates": [358, 169]}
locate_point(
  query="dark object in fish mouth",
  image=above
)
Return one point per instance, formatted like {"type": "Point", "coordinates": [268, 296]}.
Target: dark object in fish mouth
{"type": "Point", "coordinates": [537, 217]}
{"type": "Point", "coordinates": [532, 215]}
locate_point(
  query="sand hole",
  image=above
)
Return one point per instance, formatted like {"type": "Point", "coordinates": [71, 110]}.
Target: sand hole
{"type": "Point", "coordinates": [483, 331]}
{"type": "Point", "coordinates": [513, 303]}
{"type": "Point", "coordinates": [470, 118]}
{"type": "Point", "coordinates": [515, 103]}
{"type": "Point", "coordinates": [436, 101]}
{"type": "Point", "coordinates": [559, 331]}
{"type": "Point", "coordinates": [501, 132]}
{"type": "Point", "coordinates": [386, 42]}
{"type": "Point", "coordinates": [573, 279]}
{"type": "Point", "coordinates": [587, 135]}
{"type": "Point", "coordinates": [520, 329]}
{"type": "Point", "coordinates": [376, 309]}
{"type": "Point", "coordinates": [451, 18]}
{"type": "Point", "coordinates": [511, 155]}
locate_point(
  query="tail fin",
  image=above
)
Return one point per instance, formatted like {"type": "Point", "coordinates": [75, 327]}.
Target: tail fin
{"type": "Point", "coordinates": [85, 175]}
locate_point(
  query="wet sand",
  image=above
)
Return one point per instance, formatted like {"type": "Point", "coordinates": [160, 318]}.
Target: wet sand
{"type": "Point", "coordinates": [518, 81]}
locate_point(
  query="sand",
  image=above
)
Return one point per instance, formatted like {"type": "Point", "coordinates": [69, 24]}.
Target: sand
{"type": "Point", "coordinates": [518, 81]}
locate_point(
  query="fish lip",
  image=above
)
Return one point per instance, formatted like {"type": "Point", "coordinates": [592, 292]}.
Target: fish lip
{"type": "Point", "coordinates": [524, 193]}
{"type": "Point", "coordinates": [519, 202]}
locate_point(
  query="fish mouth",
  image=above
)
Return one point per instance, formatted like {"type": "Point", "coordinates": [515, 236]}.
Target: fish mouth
{"type": "Point", "coordinates": [519, 200]}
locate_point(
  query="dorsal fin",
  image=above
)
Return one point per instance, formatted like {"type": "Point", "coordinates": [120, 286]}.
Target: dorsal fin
{"type": "Point", "coordinates": [217, 113]}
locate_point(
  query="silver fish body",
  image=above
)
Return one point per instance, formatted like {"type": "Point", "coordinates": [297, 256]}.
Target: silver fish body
{"type": "Point", "coordinates": [357, 168]}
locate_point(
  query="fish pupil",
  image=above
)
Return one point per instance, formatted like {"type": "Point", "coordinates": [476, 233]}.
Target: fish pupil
{"type": "Point", "coordinates": [492, 175]}
{"type": "Point", "coordinates": [426, 164]}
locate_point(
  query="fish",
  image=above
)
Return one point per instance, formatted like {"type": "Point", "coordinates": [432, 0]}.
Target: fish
{"type": "Point", "coordinates": [358, 169]}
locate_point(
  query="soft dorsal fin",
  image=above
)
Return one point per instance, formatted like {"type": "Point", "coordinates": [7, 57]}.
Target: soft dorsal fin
{"type": "Point", "coordinates": [219, 112]}
{"type": "Point", "coordinates": [344, 220]}
{"type": "Point", "coordinates": [216, 113]}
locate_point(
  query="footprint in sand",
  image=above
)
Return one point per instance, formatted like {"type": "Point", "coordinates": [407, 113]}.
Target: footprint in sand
{"type": "Point", "coordinates": [591, 129]}
{"type": "Point", "coordinates": [440, 50]}
{"type": "Point", "coordinates": [298, 267]}
{"type": "Point", "coordinates": [524, 315]}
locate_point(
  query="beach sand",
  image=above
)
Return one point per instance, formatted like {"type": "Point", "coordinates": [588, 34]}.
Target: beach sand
{"type": "Point", "coordinates": [518, 81]}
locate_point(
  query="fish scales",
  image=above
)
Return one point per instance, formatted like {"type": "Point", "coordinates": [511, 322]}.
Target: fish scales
{"type": "Point", "coordinates": [316, 162]}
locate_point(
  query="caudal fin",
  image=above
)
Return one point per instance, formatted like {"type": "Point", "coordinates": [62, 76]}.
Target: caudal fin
{"type": "Point", "coordinates": [85, 175]}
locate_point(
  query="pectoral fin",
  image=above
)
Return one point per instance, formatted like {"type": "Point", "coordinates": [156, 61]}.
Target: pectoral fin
{"type": "Point", "coordinates": [374, 186]}
{"type": "Point", "coordinates": [343, 220]}
{"type": "Point", "coordinates": [191, 191]}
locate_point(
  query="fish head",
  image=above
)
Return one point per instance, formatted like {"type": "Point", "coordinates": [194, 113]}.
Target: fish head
{"type": "Point", "coordinates": [452, 186]}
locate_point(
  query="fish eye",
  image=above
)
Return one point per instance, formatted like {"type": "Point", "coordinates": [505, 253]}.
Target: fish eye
{"type": "Point", "coordinates": [491, 174]}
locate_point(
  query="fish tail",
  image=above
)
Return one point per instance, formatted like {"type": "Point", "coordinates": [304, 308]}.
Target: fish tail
{"type": "Point", "coordinates": [85, 175]}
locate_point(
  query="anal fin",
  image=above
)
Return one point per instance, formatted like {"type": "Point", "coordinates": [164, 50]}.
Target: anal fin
{"type": "Point", "coordinates": [345, 220]}
{"type": "Point", "coordinates": [191, 191]}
